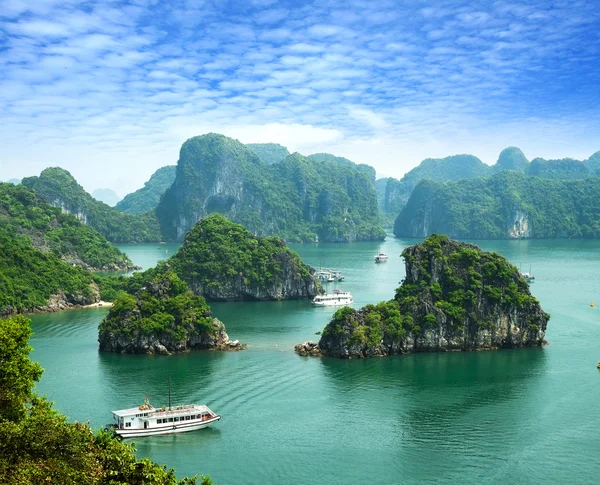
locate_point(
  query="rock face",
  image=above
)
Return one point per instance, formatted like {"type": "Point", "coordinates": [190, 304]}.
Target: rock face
{"type": "Point", "coordinates": [223, 261]}
{"type": "Point", "coordinates": [455, 298]}
{"type": "Point", "coordinates": [298, 198]}
{"type": "Point", "coordinates": [59, 302]}
{"type": "Point", "coordinates": [507, 205]}
{"type": "Point", "coordinates": [161, 318]}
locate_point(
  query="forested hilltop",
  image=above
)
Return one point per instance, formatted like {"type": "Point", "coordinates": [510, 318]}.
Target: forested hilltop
{"type": "Point", "coordinates": [298, 198]}
{"type": "Point", "coordinates": [147, 198]}
{"type": "Point", "coordinates": [507, 205]}
{"type": "Point", "coordinates": [39, 445]}
{"type": "Point", "coordinates": [222, 260]}
{"type": "Point", "coordinates": [60, 189]}
{"type": "Point", "coordinates": [269, 153]}
{"type": "Point", "coordinates": [24, 213]}
{"type": "Point", "coordinates": [394, 194]}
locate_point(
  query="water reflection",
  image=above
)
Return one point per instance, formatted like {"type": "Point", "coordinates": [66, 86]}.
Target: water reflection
{"type": "Point", "coordinates": [132, 377]}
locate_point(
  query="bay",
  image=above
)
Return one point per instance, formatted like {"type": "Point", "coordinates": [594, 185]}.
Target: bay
{"type": "Point", "coordinates": [525, 416]}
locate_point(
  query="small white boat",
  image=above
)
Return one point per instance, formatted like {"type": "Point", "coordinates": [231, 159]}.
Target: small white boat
{"type": "Point", "coordinates": [337, 275]}
{"type": "Point", "coordinates": [146, 420]}
{"type": "Point", "coordinates": [338, 298]}
{"type": "Point", "coordinates": [381, 257]}
{"type": "Point", "coordinates": [325, 276]}
{"type": "Point", "coordinates": [528, 277]}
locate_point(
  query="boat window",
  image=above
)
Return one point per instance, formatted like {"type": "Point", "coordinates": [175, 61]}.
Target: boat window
{"type": "Point", "coordinates": [187, 418]}
{"type": "Point", "coordinates": [177, 418]}
{"type": "Point", "coordinates": [170, 420]}
{"type": "Point", "coordinates": [128, 425]}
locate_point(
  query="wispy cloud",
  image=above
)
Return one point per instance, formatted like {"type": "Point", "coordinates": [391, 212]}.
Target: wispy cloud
{"type": "Point", "coordinates": [111, 89]}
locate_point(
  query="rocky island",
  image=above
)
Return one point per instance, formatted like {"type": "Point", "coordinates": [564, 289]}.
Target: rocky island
{"type": "Point", "coordinates": [223, 261]}
{"type": "Point", "coordinates": [161, 316]}
{"type": "Point", "coordinates": [455, 297]}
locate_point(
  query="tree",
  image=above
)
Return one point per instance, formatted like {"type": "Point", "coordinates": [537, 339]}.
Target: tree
{"type": "Point", "coordinates": [18, 374]}
{"type": "Point", "coordinates": [39, 445]}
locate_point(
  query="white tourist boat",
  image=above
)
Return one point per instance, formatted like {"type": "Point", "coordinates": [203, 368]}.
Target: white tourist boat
{"type": "Point", "coordinates": [146, 420]}
{"type": "Point", "coordinates": [338, 298]}
{"type": "Point", "coordinates": [381, 257]}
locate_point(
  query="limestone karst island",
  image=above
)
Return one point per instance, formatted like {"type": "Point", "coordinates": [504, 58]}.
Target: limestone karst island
{"type": "Point", "coordinates": [454, 297]}
{"type": "Point", "coordinates": [276, 243]}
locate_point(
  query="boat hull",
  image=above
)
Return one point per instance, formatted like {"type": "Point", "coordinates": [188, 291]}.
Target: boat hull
{"type": "Point", "coordinates": [166, 429]}
{"type": "Point", "coordinates": [334, 303]}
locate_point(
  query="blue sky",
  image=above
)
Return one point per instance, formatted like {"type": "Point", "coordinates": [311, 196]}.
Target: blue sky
{"type": "Point", "coordinates": [110, 90]}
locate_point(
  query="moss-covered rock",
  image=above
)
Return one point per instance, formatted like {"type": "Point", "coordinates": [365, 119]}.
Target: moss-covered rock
{"type": "Point", "coordinates": [222, 260]}
{"type": "Point", "coordinates": [454, 297]}
{"type": "Point", "coordinates": [162, 316]}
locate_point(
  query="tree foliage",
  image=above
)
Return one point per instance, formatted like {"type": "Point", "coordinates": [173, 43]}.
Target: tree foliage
{"type": "Point", "coordinates": [29, 277]}
{"type": "Point", "coordinates": [488, 208]}
{"type": "Point", "coordinates": [59, 188]}
{"type": "Point", "coordinates": [38, 444]}
{"type": "Point", "coordinates": [25, 213]}
{"type": "Point", "coordinates": [157, 303]}
{"type": "Point", "coordinates": [147, 198]}
{"type": "Point", "coordinates": [269, 153]}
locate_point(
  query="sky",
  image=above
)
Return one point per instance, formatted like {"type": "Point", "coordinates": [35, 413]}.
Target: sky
{"type": "Point", "coordinates": [110, 90]}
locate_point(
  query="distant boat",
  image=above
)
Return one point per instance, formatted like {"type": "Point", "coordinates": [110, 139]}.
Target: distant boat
{"type": "Point", "coordinates": [146, 420]}
{"type": "Point", "coordinates": [337, 275]}
{"type": "Point", "coordinates": [338, 298]}
{"type": "Point", "coordinates": [528, 276]}
{"type": "Point", "coordinates": [381, 257]}
{"type": "Point", "coordinates": [324, 276]}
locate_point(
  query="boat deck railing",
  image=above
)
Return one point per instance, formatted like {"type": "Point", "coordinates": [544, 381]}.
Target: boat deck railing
{"type": "Point", "coordinates": [178, 410]}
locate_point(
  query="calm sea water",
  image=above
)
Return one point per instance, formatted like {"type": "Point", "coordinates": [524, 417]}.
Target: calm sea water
{"type": "Point", "coordinates": [521, 416]}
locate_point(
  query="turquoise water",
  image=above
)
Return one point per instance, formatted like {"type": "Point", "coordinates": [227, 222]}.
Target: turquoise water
{"type": "Point", "coordinates": [522, 416]}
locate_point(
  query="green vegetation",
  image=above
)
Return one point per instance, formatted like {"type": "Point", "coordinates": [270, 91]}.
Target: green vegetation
{"type": "Point", "coordinates": [564, 169]}
{"type": "Point", "coordinates": [269, 153]}
{"type": "Point", "coordinates": [147, 198]}
{"type": "Point", "coordinates": [60, 189]}
{"type": "Point", "coordinates": [38, 444]}
{"type": "Point", "coordinates": [297, 199]}
{"type": "Point", "coordinates": [494, 208]}
{"type": "Point", "coordinates": [157, 303]}
{"type": "Point", "coordinates": [511, 158]}
{"type": "Point", "coordinates": [217, 251]}
{"type": "Point", "coordinates": [29, 277]}
{"type": "Point", "coordinates": [396, 193]}
{"type": "Point", "coordinates": [449, 284]}
{"type": "Point", "coordinates": [24, 213]}
{"type": "Point", "coordinates": [328, 158]}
